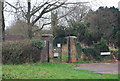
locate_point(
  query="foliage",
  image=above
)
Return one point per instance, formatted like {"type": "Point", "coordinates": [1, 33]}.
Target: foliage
{"type": "Point", "coordinates": [115, 52]}
{"type": "Point", "coordinates": [78, 49]}
{"type": "Point", "coordinates": [82, 62]}
{"type": "Point", "coordinates": [18, 28]}
{"type": "Point", "coordinates": [38, 43]}
{"type": "Point", "coordinates": [116, 36]}
{"type": "Point", "coordinates": [20, 52]}
{"type": "Point", "coordinates": [84, 34]}
{"type": "Point", "coordinates": [101, 46]}
{"type": "Point", "coordinates": [118, 55]}
{"type": "Point", "coordinates": [61, 40]}
{"type": "Point", "coordinates": [80, 30]}
{"type": "Point", "coordinates": [50, 71]}
{"type": "Point", "coordinates": [118, 39]}
{"type": "Point", "coordinates": [59, 35]}
{"type": "Point", "coordinates": [64, 58]}
{"type": "Point", "coordinates": [104, 21]}
{"type": "Point", "coordinates": [93, 53]}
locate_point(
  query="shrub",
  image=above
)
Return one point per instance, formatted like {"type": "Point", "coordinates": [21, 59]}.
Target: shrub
{"type": "Point", "coordinates": [59, 39]}
{"type": "Point", "coordinates": [93, 53]}
{"type": "Point", "coordinates": [20, 52]}
{"type": "Point", "coordinates": [90, 53]}
{"type": "Point", "coordinates": [38, 43]}
{"type": "Point", "coordinates": [101, 46]}
{"type": "Point", "coordinates": [115, 53]}
{"type": "Point", "coordinates": [78, 49]}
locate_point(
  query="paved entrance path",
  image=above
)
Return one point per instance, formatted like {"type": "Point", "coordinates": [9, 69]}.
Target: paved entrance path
{"type": "Point", "coordinates": [107, 68]}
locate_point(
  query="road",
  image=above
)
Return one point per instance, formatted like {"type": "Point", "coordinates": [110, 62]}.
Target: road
{"type": "Point", "coordinates": [107, 68]}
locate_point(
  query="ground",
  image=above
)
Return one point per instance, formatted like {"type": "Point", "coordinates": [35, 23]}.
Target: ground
{"type": "Point", "coordinates": [107, 68]}
{"type": "Point", "coordinates": [52, 71]}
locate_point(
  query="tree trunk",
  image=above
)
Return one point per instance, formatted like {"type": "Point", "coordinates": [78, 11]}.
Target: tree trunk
{"type": "Point", "coordinates": [54, 22]}
{"type": "Point", "coordinates": [28, 21]}
{"type": "Point", "coordinates": [0, 20]}
{"type": "Point", "coordinates": [3, 23]}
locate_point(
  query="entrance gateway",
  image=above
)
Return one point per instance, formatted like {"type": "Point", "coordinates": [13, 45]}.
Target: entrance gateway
{"type": "Point", "coordinates": [48, 53]}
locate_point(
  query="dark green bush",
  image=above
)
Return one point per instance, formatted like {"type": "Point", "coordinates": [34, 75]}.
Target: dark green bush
{"type": "Point", "coordinates": [38, 43]}
{"type": "Point", "coordinates": [101, 46]}
{"type": "Point", "coordinates": [116, 53]}
{"type": "Point", "coordinates": [61, 40]}
{"type": "Point", "coordinates": [90, 53]}
{"type": "Point", "coordinates": [93, 53]}
{"type": "Point", "coordinates": [78, 49]}
{"type": "Point", "coordinates": [20, 52]}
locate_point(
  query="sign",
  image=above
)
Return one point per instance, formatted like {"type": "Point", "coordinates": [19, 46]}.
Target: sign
{"type": "Point", "coordinates": [105, 53]}
{"type": "Point", "coordinates": [56, 54]}
{"type": "Point", "coordinates": [59, 45]}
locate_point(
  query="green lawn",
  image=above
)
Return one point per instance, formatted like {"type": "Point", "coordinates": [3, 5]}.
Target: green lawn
{"type": "Point", "coordinates": [50, 71]}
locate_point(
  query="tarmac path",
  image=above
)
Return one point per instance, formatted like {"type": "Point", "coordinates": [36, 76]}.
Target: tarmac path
{"type": "Point", "coordinates": [107, 68]}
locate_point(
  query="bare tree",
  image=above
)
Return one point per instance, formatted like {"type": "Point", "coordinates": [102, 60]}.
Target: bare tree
{"type": "Point", "coordinates": [78, 14]}
{"type": "Point", "coordinates": [73, 12]}
{"type": "Point", "coordinates": [18, 28]}
{"type": "Point", "coordinates": [2, 22]}
{"type": "Point", "coordinates": [44, 8]}
{"type": "Point", "coordinates": [54, 21]}
{"type": "Point", "coordinates": [36, 13]}
{"type": "Point", "coordinates": [30, 14]}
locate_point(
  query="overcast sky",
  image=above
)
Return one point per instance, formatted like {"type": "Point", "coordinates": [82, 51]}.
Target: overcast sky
{"type": "Point", "coordinates": [95, 4]}
{"type": "Point", "coordinates": [110, 2]}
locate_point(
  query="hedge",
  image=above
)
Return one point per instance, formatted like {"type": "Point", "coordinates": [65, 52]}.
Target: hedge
{"type": "Point", "coordinates": [78, 49]}
{"type": "Point", "coordinates": [93, 53]}
{"type": "Point", "coordinates": [19, 52]}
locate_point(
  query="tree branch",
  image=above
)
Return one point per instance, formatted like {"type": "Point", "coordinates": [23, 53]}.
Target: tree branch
{"type": "Point", "coordinates": [11, 5]}
{"type": "Point", "coordinates": [43, 12]}
{"type": "Point", "coordinates": [78, 3]}
{"type": "Point", "coordinates": [42, 27]}
{"type": "Point", "coordinates": [66, 13]}
{"type": "Point", "coordinates": [55, 7]}
{"type": "Point", "coordinates": [38, 8]}
{"type": "Point", "coordinates": [33, 22]}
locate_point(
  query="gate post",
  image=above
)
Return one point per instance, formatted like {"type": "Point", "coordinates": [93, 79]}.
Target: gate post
{"type": "Point", "coordinates": [47, 50]}
{"type": "Point", "coordinates": [71, 49]}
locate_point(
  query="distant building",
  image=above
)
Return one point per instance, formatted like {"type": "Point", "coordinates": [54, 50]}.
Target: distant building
{"type": "Point", "coordinates": [119, 5]}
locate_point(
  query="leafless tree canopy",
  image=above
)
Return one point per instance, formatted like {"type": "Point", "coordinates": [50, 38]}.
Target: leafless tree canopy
{"type": "Point", "coordinates": [38, 13]}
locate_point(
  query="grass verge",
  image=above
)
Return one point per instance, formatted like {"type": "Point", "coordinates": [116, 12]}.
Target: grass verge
{"type": "Point", "coordinates": [50, 71]}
